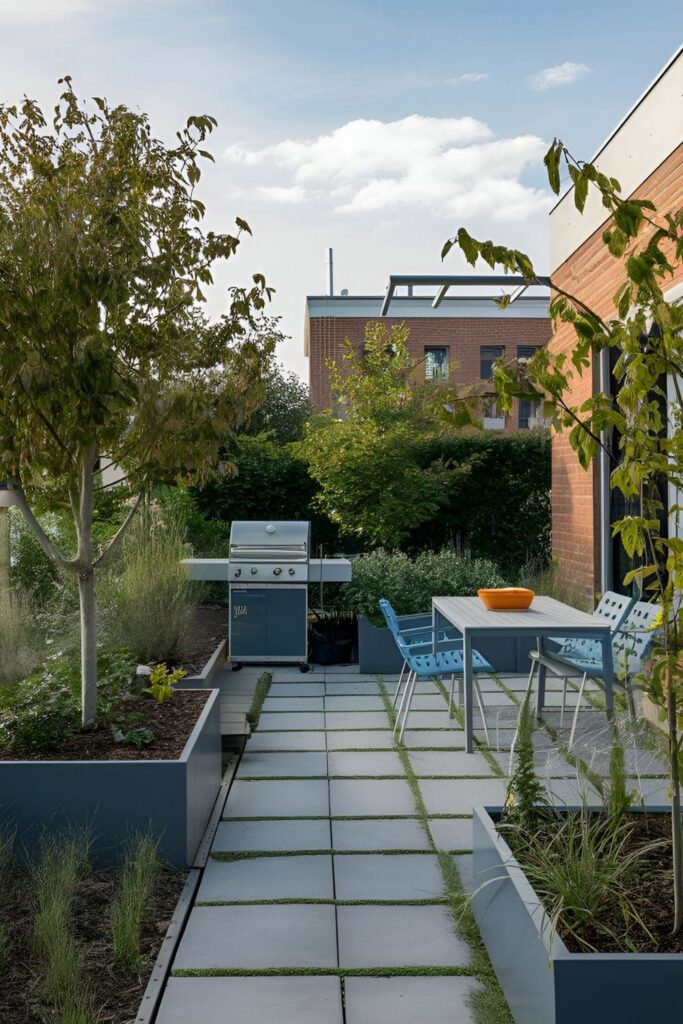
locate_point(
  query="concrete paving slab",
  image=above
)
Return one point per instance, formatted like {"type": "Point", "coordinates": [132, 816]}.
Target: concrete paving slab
{"type": "Point", "coordinates": [297, 690]}
{"type": "Point", "coordinates": [268, 765]}
{"type": "Point", "coordinates": [373, 797]}
{"type": "Point", "coordinates": [356, 720]}
{"type": "Point", "coordinates": [496, 698]}
{"type": "Point", "coordinates": [351, 688]}
{"type": "Point", "coordinates": [389, 876]}
{"type": "Point", "coordinates": [382, 762]}
{"type": "Point", "coordinates": [571, 792]}
{"type": "Point", "coordinates": [295, 935]}
{"type": "Point", "coordinates": [299, 720]}
{"type": "Point", "coordinates": [294, 798]}
{"type": "Point", "coordinates": [399, 936]}
{"type": "Point", "coordinates": [380, 834]}
{"type": "Point", "coordinates": [256, 1000]}
{"type": "Point", "coordinates": [416, 739]}
{"type": "Point", "coordinates": [274, 836]}
{"type": "Point", "coordinates": [360, 739]}
{"type": "Point", "coordinates": [267, 878]}
{"type": "Point", "coordinates": [451, 833]}
{"type": "Point", "coordinates": [428, 702]}
{"type": "Point", "coordinates": [548, 763]}
{"type": "Point", "coordinates": [429, 719]}
{"type": "Point", "coordinates": [369, 702]}
{"type": "Point", "coordinates": [448, 762]}
{"type": "Point", "coordinates": [465, 866]}
{"type": "Point", "coordinates": [458, 796]}
{"type": "Point", "coordinates": [293, 704]}
{"type": "Point", "coordinates": [406, 1000]}
{"type": "Point", "coordinates": [289, 740]}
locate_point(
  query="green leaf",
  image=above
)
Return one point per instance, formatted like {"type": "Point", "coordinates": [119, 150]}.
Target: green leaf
{"type": "Point", "coordinates": [552, 164]}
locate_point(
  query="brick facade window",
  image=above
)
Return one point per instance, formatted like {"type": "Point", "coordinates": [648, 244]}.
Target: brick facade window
{"type": "Point", "coordinates": [436, 363]}
{"type": "Point", "coordinates": [528, 410]}
{"type": "Point", "coordinates": [487, 357]}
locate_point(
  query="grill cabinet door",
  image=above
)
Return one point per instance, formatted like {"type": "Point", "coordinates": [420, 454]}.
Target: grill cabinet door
{"type": "Point", "coordinates": [248, 622]}
{"type": "Point", "coordinates": [288, 622]}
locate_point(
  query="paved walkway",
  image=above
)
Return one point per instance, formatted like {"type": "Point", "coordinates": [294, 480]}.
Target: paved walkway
{"type": "Point", "coordinates": [334, 875]}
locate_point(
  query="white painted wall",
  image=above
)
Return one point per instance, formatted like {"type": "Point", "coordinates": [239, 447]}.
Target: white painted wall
{"type": "Point", "coordinates": [649, 133]}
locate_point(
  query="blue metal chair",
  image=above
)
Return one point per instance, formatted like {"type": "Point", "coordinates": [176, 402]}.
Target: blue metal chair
{"type": "Point", "coordinates": [429, 664]}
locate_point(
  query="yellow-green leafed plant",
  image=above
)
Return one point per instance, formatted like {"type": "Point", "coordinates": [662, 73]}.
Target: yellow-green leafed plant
{"type": "Point", "coordinates": [161, 682]}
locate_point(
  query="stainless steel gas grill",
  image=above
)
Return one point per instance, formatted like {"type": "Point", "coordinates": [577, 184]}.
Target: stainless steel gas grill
{"type": "Point", "coordinates": [268, 592]}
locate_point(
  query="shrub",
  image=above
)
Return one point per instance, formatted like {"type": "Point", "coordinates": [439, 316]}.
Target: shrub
{"type": "Point", "coordinates": [150, 600]}
{"type": "Point", "coordinates": [410, 583]}
{"type": "Point", "coordinates": [19, 647]}
{"type": "Point", "coordinates": [39, 712]}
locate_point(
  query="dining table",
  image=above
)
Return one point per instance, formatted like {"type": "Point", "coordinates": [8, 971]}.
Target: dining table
{"type": "Point", "coordinates": [545, 618]}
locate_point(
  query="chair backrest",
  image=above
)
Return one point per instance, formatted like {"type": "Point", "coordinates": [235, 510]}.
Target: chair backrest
{"type": "Point", "coordinates": [634, 638]}
{"type": "Point", "coordinates": [614, 608]}
{"type": "Point", "coordinates": [390, 616]}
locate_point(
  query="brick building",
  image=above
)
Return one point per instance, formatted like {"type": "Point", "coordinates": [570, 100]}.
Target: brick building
{"type": "Point", "coordinates": [458, 340]}
{"type": "Point", "coordinates": [645, 153]}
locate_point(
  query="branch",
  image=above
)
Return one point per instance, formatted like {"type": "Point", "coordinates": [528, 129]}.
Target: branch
{"type": "Point", "coordinates": [52, 552]}
{"type": "Point", "coordinates": [118, 536]}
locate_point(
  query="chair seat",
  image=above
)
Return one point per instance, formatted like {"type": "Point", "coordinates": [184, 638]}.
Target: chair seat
{"type": "Point", "coordinates": [445, 663]}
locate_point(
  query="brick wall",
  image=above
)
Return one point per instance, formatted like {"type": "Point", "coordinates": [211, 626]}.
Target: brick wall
{"type": "Point", "coordinates": [593, 275]}
{"type": "Point", "coordinates": [462, 336]}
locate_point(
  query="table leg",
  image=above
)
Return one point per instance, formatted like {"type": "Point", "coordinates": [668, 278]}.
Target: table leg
{"type": "Point", "coordinates": [467, 673]}
{"type": "Point", "coordinates": [608, 673]}
{"type": "Point", "coordinates": [542, 672]}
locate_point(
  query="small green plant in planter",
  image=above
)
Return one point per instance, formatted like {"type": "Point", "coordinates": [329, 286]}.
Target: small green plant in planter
{"type": "Point", "coordinates": [162, 681]}
{"type": "Point", "coordinates": [526, 802]}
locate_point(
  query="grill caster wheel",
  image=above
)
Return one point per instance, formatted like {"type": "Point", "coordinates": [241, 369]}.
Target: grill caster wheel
{"type": "Point", "coordinates": [304, 667]}
{"type": "Point", "coordinates": [236, 666]}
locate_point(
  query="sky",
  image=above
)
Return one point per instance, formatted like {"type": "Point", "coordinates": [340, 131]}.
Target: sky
{"type": "Point", "coordinates": [375, 127]}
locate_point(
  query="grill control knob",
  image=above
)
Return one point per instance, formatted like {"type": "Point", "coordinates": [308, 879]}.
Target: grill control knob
{"type": "Point", "coordinates": [238, 572]}
{"type": "Point", "coordinates": [292, 572]}
{"type": "Point", "coordinates": [276, 572]}
{"type": "Point", "coordinates": [254, 570]}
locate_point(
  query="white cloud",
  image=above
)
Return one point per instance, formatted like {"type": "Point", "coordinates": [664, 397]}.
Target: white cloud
{"type": "Point", "coordinates": [561, 74]}
{"type": "Point", "coordinates": [467, 78]}
{"type": "Point", "coordinates": [444, 165]}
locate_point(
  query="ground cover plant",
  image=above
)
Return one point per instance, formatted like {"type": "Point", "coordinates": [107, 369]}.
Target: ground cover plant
{"type": "Point", "coordinates": [61, 918]}
{"type": "Point", "coordinates": [108, 358]}
{"type": "Point", "coordinates": [644, 333]}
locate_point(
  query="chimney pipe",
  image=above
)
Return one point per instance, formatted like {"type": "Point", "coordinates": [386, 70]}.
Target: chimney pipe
{"type": "Point", "coordinates": [330, 272]}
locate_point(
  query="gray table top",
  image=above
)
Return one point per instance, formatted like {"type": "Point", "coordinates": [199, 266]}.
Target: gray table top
{"type": "Point", "coordinates": [545, 617]}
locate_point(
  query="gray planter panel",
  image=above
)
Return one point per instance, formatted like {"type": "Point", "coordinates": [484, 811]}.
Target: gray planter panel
{"type": "Point", "coordinates": [377, 651]}
{"type": "Point", "coordinates": [543, 982]}
{"type": "Point", "coordinates": [172, 798]}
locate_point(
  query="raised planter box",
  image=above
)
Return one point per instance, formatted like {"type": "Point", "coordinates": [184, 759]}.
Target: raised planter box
{"type": "Point", "coordinates": [173, 798]}
{"type": "Point", "coordinates": [377, 650]}
{"type": "Point", "coordinates": [543, 982]}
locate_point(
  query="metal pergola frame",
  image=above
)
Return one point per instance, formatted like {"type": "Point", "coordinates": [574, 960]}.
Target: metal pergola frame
{"type": "Point", "coordinates": [443, 282]}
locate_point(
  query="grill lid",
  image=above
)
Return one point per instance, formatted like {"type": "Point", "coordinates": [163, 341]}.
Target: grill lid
{"type": "Point", "coordinates": [269, 540]}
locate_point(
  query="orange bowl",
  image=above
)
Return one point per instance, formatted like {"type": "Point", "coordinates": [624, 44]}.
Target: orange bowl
{"type": "Point", "coordinates": [506, 599]}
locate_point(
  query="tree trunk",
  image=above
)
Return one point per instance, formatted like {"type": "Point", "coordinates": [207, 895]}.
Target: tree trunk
{"type": "Point", "coordinates": [4, 550]}
{"type": "Point", "coordinates": [86, 593]}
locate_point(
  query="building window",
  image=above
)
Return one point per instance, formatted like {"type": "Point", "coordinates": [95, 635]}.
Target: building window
{"type": "Point", "coordinates": [488, 355]}
{"type": "Point", "coordinates": [436, 364]}
{"type": "Point", "coordinates": [529, 412]}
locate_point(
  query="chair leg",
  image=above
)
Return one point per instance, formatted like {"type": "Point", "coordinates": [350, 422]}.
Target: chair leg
{"type": "Point", "coordinates": [481, 708]}
{"type": "Point", "coordinates": [400, 683]}
{"type": "Point", "coordinates": [407, 710]}
{"type": "Point", "coordinates": [403, 699]}
{"type": "Point", "coordinates": [630, 699]}
{"type": "Point", "coordinates": [564, 698]}
{"type": "Point", "coordinates": [576, 711]}
{"type": "Point", "coordinates": [529, 686]}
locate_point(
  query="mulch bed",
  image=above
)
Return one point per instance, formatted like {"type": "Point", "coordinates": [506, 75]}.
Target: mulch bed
{"type": "Point", "coordinates": [208, 627]}
{"type": "Point", "coordinates": [652, 897]}
{"type": "Point", "coordinates": [117, 995]}
{"type": "Point", "coordinates": [171, 722]}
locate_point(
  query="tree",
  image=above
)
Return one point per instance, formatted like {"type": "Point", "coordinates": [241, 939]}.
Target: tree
{"type": "Point", "coordinates": [646, 333]}
{"type": "Point", "coordinates": [285, 407]}
{"type": "Point", "coordinates": [371, 481]}
{"type": "Point", "coordinates": [106, 353]}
